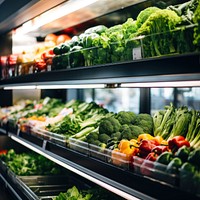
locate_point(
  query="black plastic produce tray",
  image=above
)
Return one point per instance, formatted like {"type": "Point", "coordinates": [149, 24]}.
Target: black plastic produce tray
{"type": "Point", "coordinates": [46, 187]}
{"type": "Point", "coordinates": [13, 127]}
{"type": "Point", "coordinates": [42, 187]}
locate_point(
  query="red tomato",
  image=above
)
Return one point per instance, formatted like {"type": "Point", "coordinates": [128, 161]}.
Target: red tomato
{"type": "Point", "coordinates": [51, 37]}
{"type": "Point", "coordinates": [3, 152]}
{"type": "Point", "coordinates": [62, 38]}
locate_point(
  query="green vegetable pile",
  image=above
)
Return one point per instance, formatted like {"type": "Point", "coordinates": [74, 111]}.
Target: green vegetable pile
{"type": "Point", "coordinates": [93, 124]}
{"type": "Point", "coordinates": [50, 107]}
{"type": "Point", "coordinates": [185, 164]}
{"type": "Point", "coordinates": [158, 31]}
{"type": "Point", "coordinates": [95, 193]}
{"type": "Point", "coordinates": [43, 107]}
{"type": "Point", "coordinates": [74, 193]}
{"type": "Point", "coordinates": [84, 119]}
{"type": "Point", "coordinates": [121, 125]}
{"type": "Point", "coordinates": [173, 121]}
{"type": "Point", "coordinates": [196, 20]}
{"type": "Point", "coordinates": [24, 164]}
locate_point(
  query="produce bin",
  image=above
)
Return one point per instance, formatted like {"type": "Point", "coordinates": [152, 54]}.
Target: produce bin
{"type": "Point", "coordinates": [45, 187]}
{"type": "Point", "coordinates": [178, 41]}
{"type": "Point", "coordinates": [96, 56]}
{"type": "Point", "coordinates": [189, 182]}
{"type": "Point", "coordinates": [3, 166]}
{"type": "Point", "coordinates": [153, 170]}
{"type": "Point", "coordinates": [13, 126]}
{"type": "Point", "coordinates": [47, 135]}
{"type": "Point", "coordinates": [78, 145]}
{"type": "Point", "coordinates": [98, 152]}
{"type": "Point", "coordinates": [60, 62]}
{"type": "Point", "coordinates": [118, 159]}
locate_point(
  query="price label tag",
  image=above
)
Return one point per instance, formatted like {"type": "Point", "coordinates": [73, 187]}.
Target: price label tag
{"type": "Point", "coordinates": [48, 67]}
{"type": "Point", "coordinates": [44, 144]}
{"type": "Point", "coordinates": [137, 53]}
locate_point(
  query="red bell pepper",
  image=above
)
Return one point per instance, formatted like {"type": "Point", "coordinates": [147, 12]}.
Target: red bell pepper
{"type": "Point", "coordinates": [145, 147]}
{"type": "Point", "coordinates": [152, 156]}
{"type": "Point", "coordinates": [176, 142]}
{"type": "Point", "coordinates": [160, 149]}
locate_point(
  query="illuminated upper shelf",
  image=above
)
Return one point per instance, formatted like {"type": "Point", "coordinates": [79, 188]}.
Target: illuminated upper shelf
{"type": "Point", "coordinates": [166, 71]}
{"type": "Point", "coordinates": [41, 18]}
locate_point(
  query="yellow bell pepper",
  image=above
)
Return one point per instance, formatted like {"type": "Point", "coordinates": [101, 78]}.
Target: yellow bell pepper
{"type": "Point", "coordinates": [145, 136]}
{"type": "Point", "coordinates": [123, 154]}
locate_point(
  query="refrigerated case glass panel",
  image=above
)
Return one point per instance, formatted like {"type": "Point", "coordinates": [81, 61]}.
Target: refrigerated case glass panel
{"type": "Point", "coordinates": [189, 97]}
{"type": "Point", "coordinates": [116, 99]}
{"type": "Point", "coordinates": [161, 97]}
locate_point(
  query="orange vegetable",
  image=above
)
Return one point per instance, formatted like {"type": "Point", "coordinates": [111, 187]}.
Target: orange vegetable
{"type": "Point", "coordinates": [116, 157]}
{"type": "Point", "coordinates": [124, 144]}
{"type": "Point", "coordinates": [145, 136]}
{"type": "Point", "coordinates": [134, 143]}
{"type": "Point", "coordinates": [125, 151]}
{"type": "Point", "coordinates": [160, 140]}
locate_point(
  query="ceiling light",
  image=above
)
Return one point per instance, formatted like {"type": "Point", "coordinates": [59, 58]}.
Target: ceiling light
{"type": "Point", "coordinates": [52, 15]}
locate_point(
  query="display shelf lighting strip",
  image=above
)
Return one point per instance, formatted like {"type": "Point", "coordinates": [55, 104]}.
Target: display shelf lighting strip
{"type": "Point", "coordinates": [91, 178]}
{"type": "Point", "coordinates": [81, 86]}
{"type": "Point", "coordinates": [20, 87]}
{"type": "Point", "coordinates": [195, 83]}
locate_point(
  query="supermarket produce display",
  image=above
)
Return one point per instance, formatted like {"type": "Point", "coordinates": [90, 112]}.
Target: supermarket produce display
{"type": "Point", "coordinates": [132, 154]}
{"type": "Point", "coordinates": [40, 178]}
{"type": "Point", "coordinates": [157, 147]}
{"type": "Point", "coordinates": [155, 32]}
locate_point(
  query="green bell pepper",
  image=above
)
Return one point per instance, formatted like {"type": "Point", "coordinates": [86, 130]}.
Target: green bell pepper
{"type": "Point", "coordinates": [174, 165]}
{"type": "Point", "coordinates": [194, 157]}
{"type": "Point", "coordinates": [164, 158]}
{"type": "Point", "coordinates": [183, 153]}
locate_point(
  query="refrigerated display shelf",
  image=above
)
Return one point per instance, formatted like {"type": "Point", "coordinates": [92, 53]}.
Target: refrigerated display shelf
{"type": "Point", "coordinates": [184, 67]}
{"type": "Point", "coordinates": [42, 187]}
{"type": "Point", "coordinates": [123, 182]}
{"type": "Point", "coordinates": [11, 188]}
{"type": "Point", "coordinates": [3, 131]}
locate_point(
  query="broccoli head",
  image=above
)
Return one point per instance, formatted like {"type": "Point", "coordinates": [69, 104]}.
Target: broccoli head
{"type": "Point", "coordinates": [145, 121]}
{"type": "Point", "coordinates": [104, 138]}
{"type": "Point", "coordinates": [129, 27]}
{"type": "Point", "coordinates": [162, 20]}
{"type": "Point", "coordinates": [158, 30]}
{"type": "Point", "coordinates": [135, 131]}
{"type": "Point", "coordinates": [144, 15]}
{"type": "Point", "coordinates": [91, 137]}
{"type": "Point", "coordinates": [109, 125]}
{"type": "Point", "coordinates": [130, 131]}
{"type": "Point", "coordinates": [116, 136]}
{"type": "Point", "coordinates": [126, 117]}
{"type": "Point", "coordinates": [126, 132]}
{"type": "Point", "coordinates": [96, 142]}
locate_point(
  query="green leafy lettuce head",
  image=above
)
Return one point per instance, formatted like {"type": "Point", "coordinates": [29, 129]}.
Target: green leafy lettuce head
{"type": "Point", "coordinates": [144, 15]}
{"type": "Point", "coordinates": [160, 21]}
{"type": "Point", "coordinates": [196, 20]}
